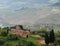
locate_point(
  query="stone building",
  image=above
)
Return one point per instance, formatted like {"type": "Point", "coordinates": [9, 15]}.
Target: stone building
{"type": "Point", "coordinates": [19, 31]}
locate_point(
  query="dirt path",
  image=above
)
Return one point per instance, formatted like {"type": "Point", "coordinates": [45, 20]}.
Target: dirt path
{"type": "Point", "coordinates": [40, 41]}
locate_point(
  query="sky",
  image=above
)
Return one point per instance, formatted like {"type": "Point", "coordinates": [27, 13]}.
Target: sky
{"type": "Point", "coordinates": [17, 4]}
{"type": "Point", "coordinates": [25, 11]}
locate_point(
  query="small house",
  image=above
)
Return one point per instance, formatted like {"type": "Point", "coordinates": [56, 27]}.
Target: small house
{"type": "Point", "coordinates": [19, 31]}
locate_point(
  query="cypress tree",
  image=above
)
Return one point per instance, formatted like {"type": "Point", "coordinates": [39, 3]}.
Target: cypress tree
{"type": "Point", "coordinates": [46, 39]}
{"type": "Point", "coordinates": [52, 36]}
{"type": "Point", "coordinates": [7, 30]}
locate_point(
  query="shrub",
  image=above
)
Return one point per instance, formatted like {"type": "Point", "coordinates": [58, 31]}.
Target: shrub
{"type": "Point", "coordinates": [12, 37]}
{"type": "Point", "coordinates": [8, 44]}
{"type": "Point", "coordinates": [2, 42]}
{"type": "Point", "coordinates": [31, 44]}
{"type": "Point", "coordinates": [4, 33]}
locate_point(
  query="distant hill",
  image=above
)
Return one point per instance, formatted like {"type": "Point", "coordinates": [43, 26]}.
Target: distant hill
{"type": "Point", "coordinates": [56, 4]}
{"type": "Point", "coordinates": [33, 16]}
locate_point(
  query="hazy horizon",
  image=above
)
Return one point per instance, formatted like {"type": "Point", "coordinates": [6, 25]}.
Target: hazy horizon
{"type": "Point", "coordinates": [29, 11]}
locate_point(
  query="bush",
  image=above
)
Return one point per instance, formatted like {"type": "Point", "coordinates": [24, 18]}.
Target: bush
{"type": "Point", "coordinates": [12, 37]}
{"type": "Point", "coordinates": [2, 42]}
{"type": "Point", "coordinates": [7, 44]}
{"type": "Point", "coordinates": [4, 33]}
{"type": "Point", "coordinates": [31, 44]}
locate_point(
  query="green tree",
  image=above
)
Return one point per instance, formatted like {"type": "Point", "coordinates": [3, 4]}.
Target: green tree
{"type": "Point", "coordinates": [52, 36]}
{"type": "Point", "coordinates": [7, 30]}
{"type": "Point", "coordinates": [46, 39]}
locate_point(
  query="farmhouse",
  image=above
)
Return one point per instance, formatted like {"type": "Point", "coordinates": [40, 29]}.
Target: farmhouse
{"type": "Point", "coordinates": [19, 31]}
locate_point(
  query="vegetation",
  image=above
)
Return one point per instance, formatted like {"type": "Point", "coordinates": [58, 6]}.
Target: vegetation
{"type": "Point", "coordinates": [52, 36]}
{"type": "Point", "coordinates": [4, 33]}
{"type": "Point", "coordinates": [12, 37]}
{"type": "Point", "coordinates": [7, 39]}
{"type": "Point", "coordinates": [46, 38]}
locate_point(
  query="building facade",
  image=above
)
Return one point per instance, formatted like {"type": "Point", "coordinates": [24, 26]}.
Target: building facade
{"type": "Point", "coordinates": [19, 31]}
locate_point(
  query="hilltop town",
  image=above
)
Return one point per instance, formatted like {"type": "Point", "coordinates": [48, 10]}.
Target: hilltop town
{"type": "Point", "coordinates": [20, 31]}
{"type": "Point", "coordinates": [25, 37]}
